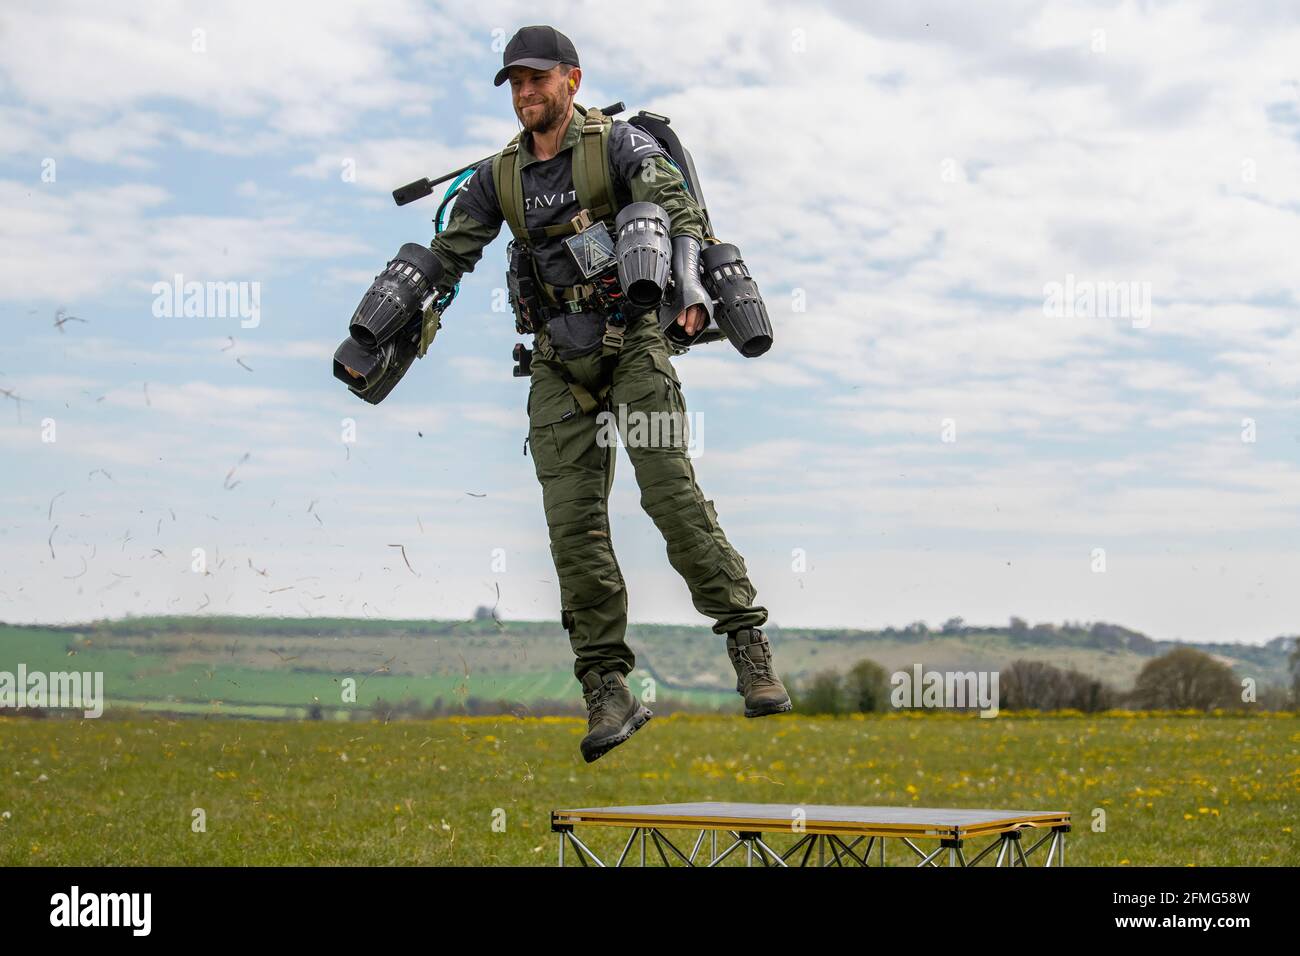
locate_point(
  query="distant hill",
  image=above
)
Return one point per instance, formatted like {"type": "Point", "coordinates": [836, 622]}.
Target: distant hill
{"type": "Point", "coordinates": [251, 663]}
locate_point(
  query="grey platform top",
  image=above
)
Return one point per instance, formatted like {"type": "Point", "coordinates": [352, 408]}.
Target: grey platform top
{"type": "Point", "coordinates": [815, 813]}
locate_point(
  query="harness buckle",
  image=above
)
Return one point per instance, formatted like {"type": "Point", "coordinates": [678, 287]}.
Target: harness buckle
{"type": "Point", "coordinates": [613, 337]}
{"type": "Point", "coordinates": [581, 221]}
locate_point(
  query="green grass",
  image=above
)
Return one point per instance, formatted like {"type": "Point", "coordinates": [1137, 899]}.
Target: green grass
{"type": "Point", "coordinates": [1175, 790]}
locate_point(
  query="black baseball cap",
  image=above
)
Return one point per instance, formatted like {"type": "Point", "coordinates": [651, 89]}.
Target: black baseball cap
{"type": "Point", "coordinates": [539, 47]}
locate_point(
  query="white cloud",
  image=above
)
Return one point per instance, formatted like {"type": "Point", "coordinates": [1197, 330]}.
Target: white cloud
{"type": "Point", "coordinates": [300, 68]}
{"type": "Point", "coordinates": [911, 175]}
{"type": "Point", "coordinates": [119, 236]}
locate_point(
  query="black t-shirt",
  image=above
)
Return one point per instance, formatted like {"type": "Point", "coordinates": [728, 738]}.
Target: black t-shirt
{"type": "Point", "coordinates": [550, 197]}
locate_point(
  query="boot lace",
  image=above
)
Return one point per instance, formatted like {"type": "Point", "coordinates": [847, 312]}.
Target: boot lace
{"type": "Point", "coordinates": [759, 671]}
{"type": "Point", "coordinates": [597, 702]}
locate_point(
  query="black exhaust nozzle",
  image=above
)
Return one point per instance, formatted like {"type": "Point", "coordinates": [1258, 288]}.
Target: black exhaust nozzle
{"type": "Point", "coordinates": [395, 297]}
{"type": "Point", "coordinates": [378, 370]}
{"type": "Point", "coordinates": [740, 312]}
{"type": "Point", "coordinates": [644, 253]}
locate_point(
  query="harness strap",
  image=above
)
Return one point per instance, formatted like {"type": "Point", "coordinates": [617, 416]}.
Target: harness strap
{"type": "Point", "coordinates": [611, 344]}
{"type": "Point", "coordinates": [505, 171]}
{"type": "Point", "coordinates": [591, 176]}
{"type": "Point", "coordinates": [570, 298]}
{"type": "Point", "coordinates": [591, 179]}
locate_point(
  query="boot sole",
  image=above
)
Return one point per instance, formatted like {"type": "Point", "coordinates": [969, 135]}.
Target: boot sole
{"type": "Point", "coordinates": [768, 709]}
{"type": "Point", "coordinates": [634, 723]}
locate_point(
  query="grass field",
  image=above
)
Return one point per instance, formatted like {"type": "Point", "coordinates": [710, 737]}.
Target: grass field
{"type": "Point", "coordinates": [1174, 789]}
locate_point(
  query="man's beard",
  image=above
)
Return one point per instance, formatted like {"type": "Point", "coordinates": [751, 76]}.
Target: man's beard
{"type": "Point", "coordinates": [548, 117]}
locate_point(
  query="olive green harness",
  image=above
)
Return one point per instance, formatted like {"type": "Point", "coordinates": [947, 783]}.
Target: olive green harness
{"type": "Point", "coordinates": [595, 192]}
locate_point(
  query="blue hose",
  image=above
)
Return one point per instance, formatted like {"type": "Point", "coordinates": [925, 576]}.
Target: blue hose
{"type": "Point", "coordinates": [440, 220]}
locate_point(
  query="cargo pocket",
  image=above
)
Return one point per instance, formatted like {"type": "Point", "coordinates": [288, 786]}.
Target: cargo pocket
{"type": "Point", "coordinates": [731, 562]}
{"type": "Point", "coordinates": [711, 514]}
{"type": "Point", "coordinates": [664, 404]}
{"type": "Point", "coordinates": [665, 365]}
{"type": "Point", "coordinates": [545, 415]}
{"type": "Point", "coordinates": [733, 565]}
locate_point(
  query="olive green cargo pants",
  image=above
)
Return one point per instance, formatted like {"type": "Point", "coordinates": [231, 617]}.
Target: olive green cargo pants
{"type": "Point", "coordinates": [576, 474]}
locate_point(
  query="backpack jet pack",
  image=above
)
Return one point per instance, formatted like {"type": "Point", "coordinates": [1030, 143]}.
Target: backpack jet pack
{"type": "Point", "coordinates": [733, 299]}
{"type": "Point", "coordinates": [399, 314]}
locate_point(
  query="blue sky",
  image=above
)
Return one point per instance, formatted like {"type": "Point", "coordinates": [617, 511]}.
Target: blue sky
{"type": "Point", "coordinates": [904, 182]}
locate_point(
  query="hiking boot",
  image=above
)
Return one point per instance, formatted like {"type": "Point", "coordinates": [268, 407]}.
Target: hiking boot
{"type": "Point", "coordinates": [613, 713]}
{"type": "Point", "coordinates": [751, 656]}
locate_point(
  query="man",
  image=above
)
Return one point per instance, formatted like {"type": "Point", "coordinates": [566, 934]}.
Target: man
{"type": "Point", "coordinates": [571, 356]}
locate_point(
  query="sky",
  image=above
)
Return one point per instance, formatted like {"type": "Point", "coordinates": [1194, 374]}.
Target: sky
{"type": "Point", "coordinates": [1031, 268]}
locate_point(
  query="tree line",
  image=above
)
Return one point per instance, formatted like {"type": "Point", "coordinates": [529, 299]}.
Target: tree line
{"type": "Point", "coordinates": [1181, 679]}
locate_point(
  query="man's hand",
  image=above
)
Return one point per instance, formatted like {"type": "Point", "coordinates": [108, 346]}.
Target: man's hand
{"type": "Point", "coordinates": [692, 319]}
